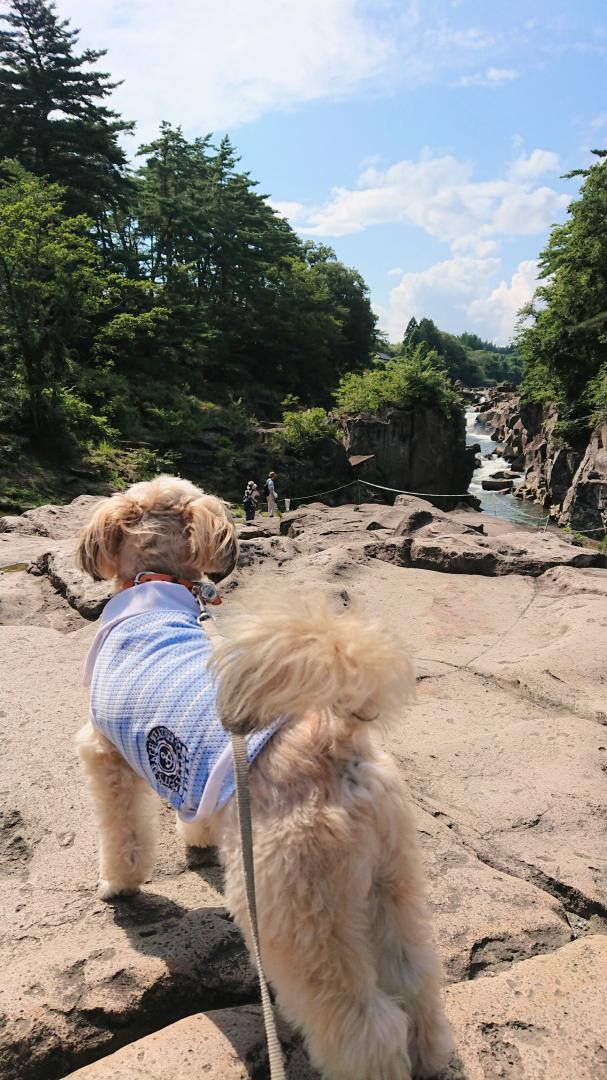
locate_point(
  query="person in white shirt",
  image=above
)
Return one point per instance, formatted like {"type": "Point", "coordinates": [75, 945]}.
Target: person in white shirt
{"type": "Point", "coordinates": [271, 494]}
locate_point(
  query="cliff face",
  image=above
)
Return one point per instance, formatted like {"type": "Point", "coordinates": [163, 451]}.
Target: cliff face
{"type": "Point", "coordinates": [571, 482]}
{"type": "Point", "coordinates": [413, 450]}
{"type": "Point", "coordinates": [585, 503]}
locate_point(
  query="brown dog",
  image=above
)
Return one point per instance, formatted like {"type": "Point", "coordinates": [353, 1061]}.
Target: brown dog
{"type": "Point", "coordinates": [343, 920]}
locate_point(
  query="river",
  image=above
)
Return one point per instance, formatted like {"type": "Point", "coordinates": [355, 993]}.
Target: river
{"type": "Point", "coordinates": [502, 505]}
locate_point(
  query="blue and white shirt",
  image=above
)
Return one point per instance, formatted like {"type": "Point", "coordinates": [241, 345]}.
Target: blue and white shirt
{"type": "Point", "coordinates": [154, 697]}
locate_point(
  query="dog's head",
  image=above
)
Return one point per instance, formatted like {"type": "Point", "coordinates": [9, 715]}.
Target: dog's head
{"type": "Point", "coordinates": [166, 525]}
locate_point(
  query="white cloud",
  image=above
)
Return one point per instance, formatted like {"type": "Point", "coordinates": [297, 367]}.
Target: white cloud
{"type": "Point", "coordinates": [427, 293]}
{"type": "Point", "coordinates": [492, 76]}
{"type": "Point", "coordinates": [440, 196]}
{"type": "Point", "coordinates": [495, 314]}
{"type": "Point", "coordinates": [538, 163]}
{"type": "Point", "coordinates": [461, 293]}
{"type": "Point", "coordinates": [288, 209]}
{"type": "Point", "coordinates": [210, 65]}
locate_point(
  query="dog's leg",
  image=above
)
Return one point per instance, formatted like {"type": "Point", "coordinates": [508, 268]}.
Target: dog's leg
{"type": "Point", "coordinates": [406, 958]}
{"type": "Point", "coordinates": [125, 811]}
{"type": "Point", "coordinates": [195, 833]}
{"type": "Point", "coordinates": [312, 883]}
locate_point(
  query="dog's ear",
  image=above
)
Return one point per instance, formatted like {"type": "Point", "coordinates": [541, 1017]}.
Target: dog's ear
{"type": "Point", "coordinates": [211, 535]}
{"type": "Point", "coordinates": [100, 540]}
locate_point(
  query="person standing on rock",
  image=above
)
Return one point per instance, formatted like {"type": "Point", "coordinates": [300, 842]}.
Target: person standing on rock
{"type": "Point", "coordinates": [270, 493]}
{"type": "Point", "coordinates": [249, 500]}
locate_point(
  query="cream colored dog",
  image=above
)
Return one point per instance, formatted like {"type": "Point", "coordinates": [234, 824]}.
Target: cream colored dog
{"type": "Point", "coordinates": [343, 923]}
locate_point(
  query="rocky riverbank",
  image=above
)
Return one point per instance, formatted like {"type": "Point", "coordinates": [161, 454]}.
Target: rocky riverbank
{"type": "Point", "coordinates": [504, 754]}
{"type": "Point", "coordinates": [419, 449]}
{"type": "Point", "coordinates": [565, 467]}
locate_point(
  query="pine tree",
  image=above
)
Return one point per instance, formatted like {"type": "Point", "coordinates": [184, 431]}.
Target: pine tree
{"type": "Point", "coordinates": [53, 119]}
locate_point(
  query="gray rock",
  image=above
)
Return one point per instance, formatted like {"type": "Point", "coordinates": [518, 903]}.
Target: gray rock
{"type": "Point", "coordinates": [86, 596]}
{"type": "Point", "coordinates": [414, 533]}
{"type": "Point", "coordinates": [227, 1044]}
{"type": "Point", "coordinates": [11, 523]}
{"type": "Point", "coordinates": [414, 450]}
{"type": "Point", "coordinates": [60, 522]}
{"type": "Point", "coordinates": [545, 1019]}
{"type": "Point", "coordinates": [585, 504]}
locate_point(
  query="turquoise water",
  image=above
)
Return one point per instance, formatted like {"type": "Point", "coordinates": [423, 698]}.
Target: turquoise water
{"type": "Point", "coordinates": [493, 502]}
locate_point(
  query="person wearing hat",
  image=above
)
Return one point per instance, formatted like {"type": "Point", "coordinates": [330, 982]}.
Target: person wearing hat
{"type": "Point", "coordinates": [249, 501]}
{"type": "Point", "coordinates": [271, 494]}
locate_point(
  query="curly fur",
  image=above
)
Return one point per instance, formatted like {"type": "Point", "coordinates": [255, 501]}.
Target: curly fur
{"type": "Point", "coordinates": [340, 894]}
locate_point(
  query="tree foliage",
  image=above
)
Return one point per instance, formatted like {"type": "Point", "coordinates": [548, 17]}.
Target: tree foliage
{"type": "Point", "coordinates": [417, 377]}
{"type": "Point", "coordinates": [466, 358]}
{"type": "Point", "coordinates": [563, 334]}
{"type": "Point", "coordinates": [53, 119]}
{"type": "Point", "coordinates": [138, 303]}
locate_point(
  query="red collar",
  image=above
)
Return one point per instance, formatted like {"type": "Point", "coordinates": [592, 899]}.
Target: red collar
{"type": "Point", "coordinates": [207, 591]}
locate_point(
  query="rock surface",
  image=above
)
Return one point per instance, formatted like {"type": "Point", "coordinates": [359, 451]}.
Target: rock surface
{"type": "Point", "coordinates": [56, 522]}
{"type": "Point", "coordinates": [545, 1020]}
{"type": "Point", "coordinates": [585, 504]}
{"type": "Point", "coordinates": [413, 533]}
{"type": "Point", "coordinates": [414, 450]}
{"type": "Point", "coordinates": [226, 1044]}
{"type": "Point", "coordinates": [508, 1026]}
{"type": "Point", "coordinates": [505, 756]}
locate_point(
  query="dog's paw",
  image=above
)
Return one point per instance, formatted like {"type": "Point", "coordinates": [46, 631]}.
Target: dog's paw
{"type": "Point", "coordinates": [110, 890]}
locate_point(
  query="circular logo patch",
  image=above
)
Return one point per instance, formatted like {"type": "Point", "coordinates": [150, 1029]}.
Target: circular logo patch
{"type": "Point", "coordinates": [169, 759]}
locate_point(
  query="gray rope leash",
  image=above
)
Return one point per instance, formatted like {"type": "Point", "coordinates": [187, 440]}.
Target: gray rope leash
{"type": "Point", "coordinates": [243, 801]}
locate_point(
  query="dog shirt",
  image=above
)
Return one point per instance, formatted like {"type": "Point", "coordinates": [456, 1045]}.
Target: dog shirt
{"type": "Point", "coordinates": [154, 697]}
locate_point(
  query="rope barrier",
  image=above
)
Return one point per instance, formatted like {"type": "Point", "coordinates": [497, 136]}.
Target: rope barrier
{"type": "Point", "coordinates": [586, 532]}
{"type": "Point", "coordinates": [419, 494]}
{"type": "Point", "coordinates": [317, 494]}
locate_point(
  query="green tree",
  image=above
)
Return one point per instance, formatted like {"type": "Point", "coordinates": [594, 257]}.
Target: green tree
{"type": "Point", "coordinates": [52, 113]}
{"type": "Point", "coordinates": [348, 298]}
{"type": "Point", "coordinates": [563, 337]}
{"type": "Point", "coordinates": [417, 377]}
{"type": "Point", "coordinates": [65, 320]}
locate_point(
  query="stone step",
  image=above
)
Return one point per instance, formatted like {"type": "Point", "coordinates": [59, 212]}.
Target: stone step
{"type": "Point", "coordinates": [227, 1044]}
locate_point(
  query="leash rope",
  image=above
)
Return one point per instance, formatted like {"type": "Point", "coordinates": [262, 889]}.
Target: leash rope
{"type": "Point", "coordinates": [243, 802]}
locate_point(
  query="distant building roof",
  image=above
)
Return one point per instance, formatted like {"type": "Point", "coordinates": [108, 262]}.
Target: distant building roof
{"type": "Point", "coordinates": [357, 459]}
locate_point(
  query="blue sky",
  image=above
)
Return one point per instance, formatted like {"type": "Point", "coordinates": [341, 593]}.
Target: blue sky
{"type": "Point", "coordinates": [424, 141]}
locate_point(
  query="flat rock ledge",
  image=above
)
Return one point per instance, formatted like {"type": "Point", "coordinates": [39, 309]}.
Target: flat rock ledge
{"type": "Point", "coordinates": [413, 533]}
{"type": "Point", "coordinates": [504, 755]}
{"type": "Point", "coordinates": [545, 1020]}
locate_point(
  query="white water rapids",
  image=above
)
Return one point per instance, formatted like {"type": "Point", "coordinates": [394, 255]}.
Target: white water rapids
{"type": "Point", "coordinates": [495, 502]}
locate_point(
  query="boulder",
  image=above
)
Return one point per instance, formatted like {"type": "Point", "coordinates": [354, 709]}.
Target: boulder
{"type": "Point", "coordinates": [56, 522]}
{"type": "Point", "coordinates": [505, 474]}
{"type": "Point", "coordinates": [88, 597]}
{"type": "Point", "coordinates": [418, 449]}
{"type": "Point", "coordinates": [226, 1044]}
{"type": "Point", "coordinates": [544, 1020]}
{"type": "Point", "coordinates": [495, 484]}
{"type": "Point", "coordinates": [414, 533]}
{"type": "Point", "coordinates": [585, 504]}
{"type": "Point", "coordinates": [11, 523]}
{"type": "Point", "coordinates": [537, 553]}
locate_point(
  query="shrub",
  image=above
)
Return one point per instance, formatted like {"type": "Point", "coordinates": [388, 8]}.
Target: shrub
{"type": "Point", "coordinates": [403, 382]}
{"type": "Point", "coordinates": [596, 395]}
{"type": "Point", "coordinates": [303, 428]}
